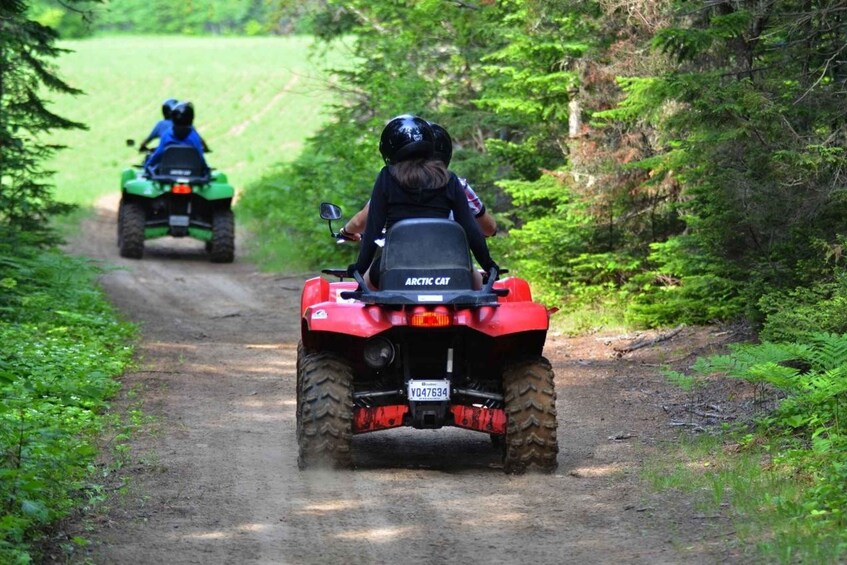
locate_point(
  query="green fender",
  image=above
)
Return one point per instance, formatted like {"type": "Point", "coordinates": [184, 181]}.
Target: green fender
{"type": "Point", "coordinates": [218, 189]}
{"type": "Point", "coordinates": [142, 187]}
{"type": "Point", "coordinates": [128, 175]}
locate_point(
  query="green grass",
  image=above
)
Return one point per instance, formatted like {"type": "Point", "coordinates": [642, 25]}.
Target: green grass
{"type": "Point", "coordinates": [256, 101]}
{"type": "Point", "coordinates": [745, 482]}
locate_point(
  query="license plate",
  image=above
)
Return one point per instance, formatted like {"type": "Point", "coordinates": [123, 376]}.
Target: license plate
{"type": "Point", "coordinates": [179, 221]}
{"type": "Point", "coordinates": [429, 391]}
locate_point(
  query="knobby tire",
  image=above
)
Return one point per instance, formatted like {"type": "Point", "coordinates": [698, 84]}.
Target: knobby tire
{"type": "Point", "coordinates": [326, 418]}
{"type": "Point", "coordinates": [530, 397]}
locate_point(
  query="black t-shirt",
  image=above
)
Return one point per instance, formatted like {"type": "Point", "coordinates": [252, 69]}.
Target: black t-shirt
{"type": "Point", "coordinates": [392, 202]}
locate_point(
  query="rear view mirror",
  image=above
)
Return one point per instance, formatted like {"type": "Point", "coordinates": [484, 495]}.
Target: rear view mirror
{"type": "Point", "coordinates": [330, 211]}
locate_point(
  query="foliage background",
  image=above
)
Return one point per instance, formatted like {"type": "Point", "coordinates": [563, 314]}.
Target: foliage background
{"type": "Point", "coordinates": [63, 348]}
{"type": "Point", "coordinates": [657, 162]}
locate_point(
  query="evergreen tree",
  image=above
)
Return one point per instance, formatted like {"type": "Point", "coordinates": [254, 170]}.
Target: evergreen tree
{"type": "Point", "coordinates": [26, 200]}
{"type": "Point", "coordinates": [753, 118]}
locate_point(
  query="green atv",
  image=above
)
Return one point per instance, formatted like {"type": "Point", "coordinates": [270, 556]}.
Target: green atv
{"type": "Point", "coordinates": [183, 197]}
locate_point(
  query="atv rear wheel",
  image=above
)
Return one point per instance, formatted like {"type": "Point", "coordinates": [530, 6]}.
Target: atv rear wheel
{"type": "Point", "coordinates": [120, 222]}
{"type": "Point", "coordinates": [530, 398]}
{"type": "Point", "coordinates": [222, 248]}
{"type": "Point", "coordinates": [326, 414]}
{"type": "Point", "coordinates": [301, 355]}
{"type": "Point", "coordinates": [131, 217]}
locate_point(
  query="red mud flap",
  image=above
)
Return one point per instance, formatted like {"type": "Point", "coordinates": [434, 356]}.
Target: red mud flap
{"type": "Point", "coordinates": [378, 418]}
{"type": "Point", "coordinates": [489, 420]}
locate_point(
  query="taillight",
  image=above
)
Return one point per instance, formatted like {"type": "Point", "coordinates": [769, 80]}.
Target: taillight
{"type": "Point", "coordinates": [181, 189]}
{"type": "Point", "coordinates": [437, 318]}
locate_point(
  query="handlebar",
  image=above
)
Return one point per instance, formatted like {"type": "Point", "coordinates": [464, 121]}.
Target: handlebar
{"type": "Point", "coordinates": [340, 273]}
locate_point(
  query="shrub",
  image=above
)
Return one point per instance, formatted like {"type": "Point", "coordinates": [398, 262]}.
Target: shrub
{"type": "Point", "coordinates": [62, 348]}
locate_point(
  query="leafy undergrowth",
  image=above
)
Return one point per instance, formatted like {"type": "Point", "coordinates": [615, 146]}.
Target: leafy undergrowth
{"type": "Point", "coordinates": [784, 478]}
{"type": "Point", "coordinates": [62, 349]}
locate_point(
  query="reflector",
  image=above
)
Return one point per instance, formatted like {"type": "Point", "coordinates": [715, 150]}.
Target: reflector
{"type": "Point", "coordinates": [429, 319]}
{"type": "Point", "coordinates": [181, 189]}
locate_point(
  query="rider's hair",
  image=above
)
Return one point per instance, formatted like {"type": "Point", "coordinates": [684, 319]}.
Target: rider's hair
{"type": "Point", "coordinates": [420, 174]}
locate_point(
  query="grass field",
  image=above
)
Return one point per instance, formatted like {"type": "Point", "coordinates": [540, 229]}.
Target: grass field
{"type": "Point", "coordinates": [256, 101]}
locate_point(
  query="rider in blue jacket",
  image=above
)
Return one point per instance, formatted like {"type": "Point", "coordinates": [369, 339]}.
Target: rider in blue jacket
{"type": "Point", "coordinates": [182, 133]}
{"type": "Point", "coordinates": [162, 126]}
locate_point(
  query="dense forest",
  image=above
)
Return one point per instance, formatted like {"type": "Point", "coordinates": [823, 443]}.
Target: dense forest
{"type": "Point", "coordinates": [658, 162]}
{"type": "Point", "coordinates": [678, 160]}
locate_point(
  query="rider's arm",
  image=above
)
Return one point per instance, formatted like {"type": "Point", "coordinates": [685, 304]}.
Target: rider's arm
{"type": "Point", "coordinates": [486, 221]}
{"type": "Point", "coordinates": [462, 214]}
{"type": "Point", "coordinates": [355, 226]}
{"type": "Point", "coordinates": [376, 221]}
{"type": "Point", "coordinates": [159, 130]}
{"type": "Point", "coordinates": [148, 139]}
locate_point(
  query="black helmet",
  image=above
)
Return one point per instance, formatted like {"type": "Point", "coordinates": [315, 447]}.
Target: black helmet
{"type": "Point", "coordinates": [168, 106]}
{"type": "Point", "coordinates": [183, 114]}
{"type": "Point", "coordinates": [405, 137]}
{"type": "Point", "coordinates": [443, 145]}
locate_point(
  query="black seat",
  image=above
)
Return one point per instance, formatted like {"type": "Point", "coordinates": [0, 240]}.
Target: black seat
{"type": "Point", "coordinates": [426, 254]}
{"type": "Point", "coordinates": [182, 161]}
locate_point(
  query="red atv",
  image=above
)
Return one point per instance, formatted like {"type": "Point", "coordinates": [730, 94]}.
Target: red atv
{"type": "Point", "coordinates": [425, 350]}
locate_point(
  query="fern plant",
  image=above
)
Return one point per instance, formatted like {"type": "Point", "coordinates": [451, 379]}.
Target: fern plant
{"type": "Point", "coordinates": [813, 376]}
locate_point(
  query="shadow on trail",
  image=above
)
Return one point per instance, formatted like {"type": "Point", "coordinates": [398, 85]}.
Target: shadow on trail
{"type": "Point", "coordinates": [175, 250]}
{"type": "Point", "coordinates": [447, 450]}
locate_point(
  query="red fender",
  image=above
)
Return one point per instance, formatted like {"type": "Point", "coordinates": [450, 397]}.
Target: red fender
{"type": "Point", "coordinates": [323, 310]}
{"type": "Point", "coordinates": [518, 290]}
{"type": "Point", "coordinates": [315, 290]}
{"type": "Point", "coordinates": [354, 319]}
{"type": "Point", "coordinates": [318, 289]}
{"type": "Point", "coordinates": [507, 318]}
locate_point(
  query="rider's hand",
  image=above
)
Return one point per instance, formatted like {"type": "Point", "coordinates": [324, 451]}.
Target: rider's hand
{"type": "Point", "coordinates": [487, 273]}
{"type": "Point", "coordinates": [349, 236]}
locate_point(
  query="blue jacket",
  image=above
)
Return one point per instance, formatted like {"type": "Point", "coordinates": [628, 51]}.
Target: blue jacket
{"type": "Point", "coordinates": [169, 138]}
{"type": "Point", "coordinates": [159, 130]}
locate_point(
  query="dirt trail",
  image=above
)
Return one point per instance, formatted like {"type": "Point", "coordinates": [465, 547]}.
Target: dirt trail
{"type": "Point", "coordinates": [216, 479]}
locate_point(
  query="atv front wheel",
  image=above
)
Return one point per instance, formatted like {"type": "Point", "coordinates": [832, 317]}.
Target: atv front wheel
{"type": "Point", "coordinates": [222, 248]}
{"type": "Point", "coordinates": [131, 217]}
{"type": "Point", "coordinates": [326, 414]}
{"type": "Point", "coordinates": [530, 398]}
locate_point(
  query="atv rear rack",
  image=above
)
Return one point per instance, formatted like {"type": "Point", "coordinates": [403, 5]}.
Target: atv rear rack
{"type": "Point", "coordinates": [487, 296]}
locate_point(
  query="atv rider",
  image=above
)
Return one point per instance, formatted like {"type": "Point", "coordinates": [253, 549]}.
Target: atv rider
{"type": "Point", "coordinates": [165, 125]}
{"type": "Point", "coordinates": [162, 126]}
{"type": "Point", "coordinates": [182, 133]}
{"type": "Point", "coordinates": [443, 150]}
{"type": "Point", "coordinates": [414, 184]}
